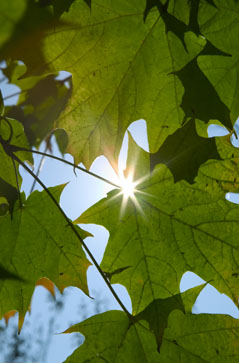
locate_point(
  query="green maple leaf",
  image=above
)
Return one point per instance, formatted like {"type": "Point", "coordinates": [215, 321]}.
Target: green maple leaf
{"type": "Point", "coordinates": [172, 228]}
{"type": "Point", "coordinates": [189, 338]}
{"type": "Point", "coordinates": [111, 87]}
{"type": "Point", "coordinates": [37, 243]}
{"type": "Point", "coordinates": [109, 53]}
{"type": "Point", "coordinates": [112, 337]}
{"type": "Point", "coordinates": [149, 71]}
{"type": "Point", "coordinates": [200, 338]}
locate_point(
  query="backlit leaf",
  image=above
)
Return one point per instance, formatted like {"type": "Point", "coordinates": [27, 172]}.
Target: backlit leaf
{"type": "Point", "coordinates": [110, 337]}
{"type": "Point", "coordinates": [200, 338]}
{"type": "Point", "coordinates": [172, 228]}
{"type": "Point", "coordinates": [38, 243]}
{"type": "Point", "coordinates": [116, 79]}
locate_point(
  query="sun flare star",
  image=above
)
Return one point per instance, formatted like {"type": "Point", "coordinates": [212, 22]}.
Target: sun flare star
{"type": "Point", "coordinates": [128, 187]}
{"type": "Point", "coordinates": [128, 190]}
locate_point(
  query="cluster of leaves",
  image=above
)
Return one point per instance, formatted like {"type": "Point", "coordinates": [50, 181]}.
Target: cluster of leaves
{"type": "Point", "coordinates": [173, 63]}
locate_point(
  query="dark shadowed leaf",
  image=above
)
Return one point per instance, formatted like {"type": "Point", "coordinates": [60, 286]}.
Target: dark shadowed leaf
{"type": "Point", "coordinates": [41, 101]}
{"type": "Point", "coordinates": [220, 26]}
{"type": "Point", "coordinates": [59, 6]}
{"type": "Point", "coordinates": [158, 311]}
{"type": "Point", "coordinates": [184, 152]}
{"type": "Point", "coordinates": [88, 2]}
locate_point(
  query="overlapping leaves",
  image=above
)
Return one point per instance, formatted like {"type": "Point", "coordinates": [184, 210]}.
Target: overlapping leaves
{"type": "Point", "coordinates": [123, 69]}
{"type": "Point", "coordinates": [41, 101]}
{"type": "Point", "coordinates": [188, 338]}
{"type": "Point", "coordinates": [172, 228]}
{"type": "Point", "coordinates": [113, 337]}
{"type": "Point", "coordinates": [164, 61]}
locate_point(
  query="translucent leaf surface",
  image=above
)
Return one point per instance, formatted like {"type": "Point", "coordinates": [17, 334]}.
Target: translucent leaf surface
{"type": "Point", "coordinates": [110, 337]}
{"type": "Point", "coordinates": [200, 338]}
{"type": "Point", "coordinates": [38, 243]}
{"type": "Point", "coordinates": [167, 229]}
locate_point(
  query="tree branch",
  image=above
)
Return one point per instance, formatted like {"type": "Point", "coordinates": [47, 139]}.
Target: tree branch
{"type": "Point", "coordinates": [74, 231]}
{"type": "Point", "coordinates": [18, 148]}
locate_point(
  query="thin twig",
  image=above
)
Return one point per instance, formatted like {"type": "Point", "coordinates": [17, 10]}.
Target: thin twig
{"type": "Point", "coordinates": [18, 148]}
{"type": "Point", "coordinates": [75, 232]}
{"type": "Point", "coordinates": [16, 94]}
{"type": "Point", "coordinates": [18, 187]}
{"type": "Point", "coordinates": [39, 169]}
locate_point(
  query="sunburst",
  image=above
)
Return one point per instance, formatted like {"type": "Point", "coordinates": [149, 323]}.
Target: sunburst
{"type": "Point", "coordinates": [128, 191]}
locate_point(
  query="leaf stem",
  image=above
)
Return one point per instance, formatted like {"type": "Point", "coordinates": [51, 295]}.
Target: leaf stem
{"type": "Point", "coordinates": [38, 169]}
{"type": "Point", "coordinates": [75, 232]}
{"type": "Point", "coordinates": [18, 148]}
{"type": "Point", "coordinates": [15, 94]}
{"type": "Point", "coordinates": [18, 187]}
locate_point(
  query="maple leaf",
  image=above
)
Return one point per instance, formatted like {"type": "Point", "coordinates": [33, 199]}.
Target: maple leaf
{"type": "Point", "coordinates": [112, 337]}
{"type": "Point", "coordinates": [167, 229]}
{"type": "Point", "coordinates": [174, 64]}
{"type": "Point", "coordinates": [111, 73]}
{"type": "Point", "coordinates": [200, 338]}
{"type": "Point", "coordinates": [37, 243]}
{"type": "Point", "coordinates": [125, 340]}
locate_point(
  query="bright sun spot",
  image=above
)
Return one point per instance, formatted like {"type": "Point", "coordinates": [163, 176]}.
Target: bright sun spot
{"type": "Point", "coordinates": [128, 189]}
{"type": "Point", "coordinates": [128, 186]}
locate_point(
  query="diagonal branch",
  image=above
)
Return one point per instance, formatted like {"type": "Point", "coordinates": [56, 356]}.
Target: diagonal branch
{"type": "Point", "coordinates": [74, 231]}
